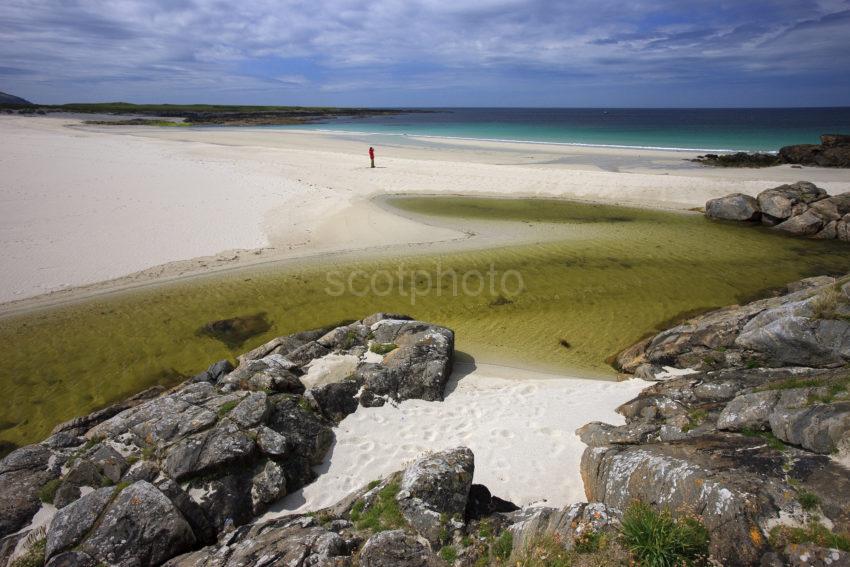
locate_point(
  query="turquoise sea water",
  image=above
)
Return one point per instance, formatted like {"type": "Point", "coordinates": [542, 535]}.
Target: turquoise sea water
{"type": "Point", "coordinates": [684, 129]}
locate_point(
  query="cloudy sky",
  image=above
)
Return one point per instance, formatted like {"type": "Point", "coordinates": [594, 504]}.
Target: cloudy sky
{"type": "Point", "coordinates": [429, 52]}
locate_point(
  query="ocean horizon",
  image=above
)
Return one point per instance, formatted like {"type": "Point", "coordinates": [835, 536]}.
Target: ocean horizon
{"type": "Point", "coordinates": [678, 129]}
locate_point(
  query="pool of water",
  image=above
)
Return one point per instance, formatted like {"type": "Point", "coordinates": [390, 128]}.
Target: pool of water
{"type": "Point", "coordinates": [616, 275]}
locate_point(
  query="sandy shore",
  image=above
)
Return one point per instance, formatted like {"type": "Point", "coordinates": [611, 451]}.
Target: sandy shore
{"type": "Point", "coordinates": [131, 206]}
{"type": "Point", "coordinates": [520, 425]}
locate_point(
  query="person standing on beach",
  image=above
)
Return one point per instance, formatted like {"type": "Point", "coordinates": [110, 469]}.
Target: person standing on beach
{"type": "Point", "coordinates": [372, 155]}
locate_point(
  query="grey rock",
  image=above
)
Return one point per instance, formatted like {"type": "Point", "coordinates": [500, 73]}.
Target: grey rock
{"type": "Point", "coordinates": [140, 527]}
{"type": "Point", "coordinates": [82, 473]}
{"type": "Point", "coordinates": [22, 474]}
{"type": "Point", "coordinates": [596, 433]}
{"type": "Point", "coordinates": [268, 486]}
{"type": "Point", "coordinates": [810, 555]}
{"type": "Point", "coordinates": [749, 411]}
{"type": "Point", "coordinates": [395, 549]}
{"type": "Point", "coordinates": [111, 463]}
{"type": "Point", "coordinates": [72, 559]}
{"type": "Point", "coordinates": [802, 341]}
{"type": "Point", "coordinates": [74, 521]}
{"type": "Point", "coordinates": [808, 223]}
{"type": "Point", "coordinates": [434, 487]}
{"type": "Point", "coordinates": [566, 524]}
{"type": "Point", "coordinates": [270, 442]}
{"type": "Point", "coordinates": [819, 428]}
{"type": "Point", "coordinates": [214, 373]}
{"type": "Point", "coordinates": [222, 445]}
{"type": "Point", "coordinates": [251, 411]}
{"type": "Point", "coordinates": [337, 399]}
{"type": "Point", "coordinates": [778, 203]}
{"type": "Point", "coordinates": [737, 207]}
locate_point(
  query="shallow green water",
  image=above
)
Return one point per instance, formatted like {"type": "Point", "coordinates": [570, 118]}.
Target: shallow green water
{"type": "Point", "coordinates": [620, 274]}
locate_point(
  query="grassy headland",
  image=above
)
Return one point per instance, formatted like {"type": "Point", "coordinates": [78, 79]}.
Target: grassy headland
{"type": "Point", "coordinates": [202, 114]}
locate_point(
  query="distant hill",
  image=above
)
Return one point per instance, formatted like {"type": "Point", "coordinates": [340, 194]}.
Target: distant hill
{"type": "Point", "coordinates": [12, 99]}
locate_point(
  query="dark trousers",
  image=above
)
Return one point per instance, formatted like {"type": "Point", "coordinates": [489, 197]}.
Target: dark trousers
{"type": "Point", "coordinates": [373, 162]}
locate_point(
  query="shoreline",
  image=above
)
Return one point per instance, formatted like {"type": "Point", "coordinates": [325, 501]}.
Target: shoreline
{"type": "Point", "coordinates": [312, 232]}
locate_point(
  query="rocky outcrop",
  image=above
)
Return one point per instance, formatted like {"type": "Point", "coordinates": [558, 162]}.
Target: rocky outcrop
{"type": "Point", "coordinates": [166, 472]}
{"type": "Point", "coordinates": [807, 326]}
{"type": "Point", "coordinates": [799, 209]}
{"type": "Point", "coordinates": [747, 429]}
{"type": "Point", "coordinates": [833, 151]}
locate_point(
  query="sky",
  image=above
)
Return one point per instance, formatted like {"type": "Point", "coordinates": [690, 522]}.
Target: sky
{"type": "Point", "coordinates": [551, 53]}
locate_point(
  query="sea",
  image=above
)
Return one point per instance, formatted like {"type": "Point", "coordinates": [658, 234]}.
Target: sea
{"type": "Point", "coordinates": [686, 129]}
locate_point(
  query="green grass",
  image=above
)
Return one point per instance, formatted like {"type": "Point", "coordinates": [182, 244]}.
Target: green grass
{"type": "Point", "coordinates": [373, 484]}
{"type": "Point", "coordinates": [656, 539]}
{"type": "Point", "coordinates": [384, 513]}
{"type": "Point", "coordinates": [449, 554]}
{"type": "Point", "coordinates": [590, 541]}
{"type": "Point", "coordinates": [808, 500]}
{"type": "Point", "coordinates": [34, 557]}
{"type": "Point", "coordinates": [544, 551]}
{"type": "Point", "coordinates": [504, 545]}
{"type": "Point", "coordinates": [791, 384]}
{"type": "Point", "coordinates": [383, 348]}
{"type": "Point", "coordinates": [48, 490]}
{"type": "Point", "coordinates": [227, 407]}
{"type": "Point", "coordinates": [149, 453]}
{"type": "Point", "coordinates": [695, 418]}
{"type": "Point", "coordinates": [815, 533]}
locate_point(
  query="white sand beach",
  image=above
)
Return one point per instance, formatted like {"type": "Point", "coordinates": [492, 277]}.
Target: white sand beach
{"type": "Point", "coordinates": [134, 205]}
{"type": "Point", "coordinates": [520, 425]}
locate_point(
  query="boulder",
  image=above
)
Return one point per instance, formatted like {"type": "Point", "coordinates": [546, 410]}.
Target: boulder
{"type": "Point", "coordinates": [779, 202]}
{"type": "Point", "coordinates": [22, 474]}
{"type": "Point", "coordinates": [208, 450]}
{"type": "Point", "coordinates": [834, 140]}
{"type": "Point", "coordinates": [737, 207]}
{"type": "Point", "coordinates": [281, 542]}
{"type": "Point", "coordinates": [808, 223]}
{"type": "Point", "coordinates": [74, 521]}
{"type": "Point", "coordinates": [234, 332]}
{"type": "Point", "coordinates": [395, 549]}
{"type": "Point", "coordinates": [749, 411]}
{"type": "Point", "coordinates": [566, 524]}
{"type": "Point", "coordinates": [434, 489]}
{"type": "Point", "coordinates": [141, 526]}
{"type": "Point", "coordinates": [818, 428]}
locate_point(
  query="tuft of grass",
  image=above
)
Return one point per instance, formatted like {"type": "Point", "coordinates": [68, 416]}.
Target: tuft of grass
{"type": "Point", "coordinates": [656, 539]}
{"type": "Point", "coordinates": [373, 484]}
{"type": "Point", "coordinates": [48, 490]}
{"type": "Point", "coordinates": [544, 551]}
{"type": "Point", "coordinates": [449, 554]}
{"type": "Point", "coordinates": [466, 541]}
{"type": "Point", "coordinates": [590, 541]}
{"type": "Point", "coordinates": [227, 407]}
{"type": "Point", "coordinates": [149, 453]}
{"type": "Point", "coordinates": [349, 340]}
{"type": "Point", "coordinates": [304, 404]}
{"type": "Point", "coordinates": [695, 418]}
{"type": "Point", "coordinates": [384, 514]}
{"type": "Point", "coordinates": [485, 529]}
{"type": "Point", "coordinates": [34, 557]}
{"type": "Point", "coordinates": [825, 305]}
{"type": "Point", "coordinates": [383, 348]}
{"type": "Point", "coordinates": [815, 533]}
{"type": "Point", "coordinates": [504, 545]}
{"type": "Point", "coordinates": [119, 487]}
{"type": "Point", "coordinates": [808, 500]}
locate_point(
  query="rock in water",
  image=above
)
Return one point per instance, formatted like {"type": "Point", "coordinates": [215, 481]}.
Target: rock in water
{"type": "Point", "coordinates": [737, 207]}
{"type": "Point", "coordinates": [234, 332]}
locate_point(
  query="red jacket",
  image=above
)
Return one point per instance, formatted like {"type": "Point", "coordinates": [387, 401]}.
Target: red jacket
{"type": "Point", "coordinates": [371, 153]}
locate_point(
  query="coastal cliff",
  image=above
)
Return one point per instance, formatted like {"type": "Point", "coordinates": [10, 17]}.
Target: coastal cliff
{"type": "Point", "coordinates": [736, 455]}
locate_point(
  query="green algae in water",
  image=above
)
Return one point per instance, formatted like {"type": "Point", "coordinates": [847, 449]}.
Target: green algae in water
{"type": "Point", "coordinates": [622, 274]}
